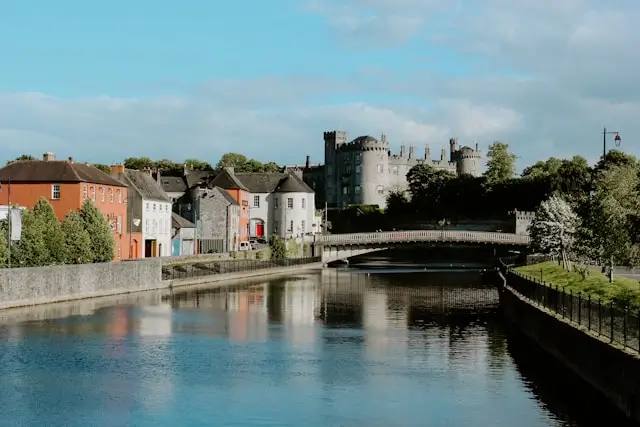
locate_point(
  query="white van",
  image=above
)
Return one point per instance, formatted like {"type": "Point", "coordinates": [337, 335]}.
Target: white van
{"type": "Point", "coordinates": [244, 246]}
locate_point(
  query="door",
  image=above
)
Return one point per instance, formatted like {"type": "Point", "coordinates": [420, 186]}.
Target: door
{"type": "Point", "coordinates": [259, 230]}
{"type": "Point", "coordinates": [147, 248]}
{"type": "Point", "coordinates": [176, 247]}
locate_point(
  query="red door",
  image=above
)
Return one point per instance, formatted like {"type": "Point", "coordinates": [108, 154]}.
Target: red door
{"type": "Point", "coordinates": [259, 230]}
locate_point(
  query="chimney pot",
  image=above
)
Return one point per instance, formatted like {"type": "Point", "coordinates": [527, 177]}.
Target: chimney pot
{"type": "Point", "coordinates": [308, 162]}
{"type": "Point", "coordinates": [48, 156]}
{"type": "Point", "coordinates": [117, 168]}
{"type": "Point", "coordinates": [70, 159]}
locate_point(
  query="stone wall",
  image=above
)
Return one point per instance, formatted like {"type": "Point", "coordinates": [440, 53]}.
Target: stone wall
{"type": "Point", "coordinates": [611, 371]}
{"type": "Point", "coordinates": [41, 285]}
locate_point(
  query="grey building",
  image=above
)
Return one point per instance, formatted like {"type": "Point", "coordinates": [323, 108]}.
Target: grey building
{"type": "Point", "coordinates": [216, 216]}
{"type": "Point", "coordinates": [183, 236]}
{"type": "Point", "coordinates": [364, 171]}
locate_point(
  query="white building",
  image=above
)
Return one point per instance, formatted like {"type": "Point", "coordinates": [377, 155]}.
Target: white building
{"type": "Point", "coordinates": [149, 210]}
{"type": "Point", "coordinates": [279, 203]}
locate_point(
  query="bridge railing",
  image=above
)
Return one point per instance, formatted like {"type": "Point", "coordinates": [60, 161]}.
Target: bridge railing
{"type": "Point", "coordinates": [423, 236]}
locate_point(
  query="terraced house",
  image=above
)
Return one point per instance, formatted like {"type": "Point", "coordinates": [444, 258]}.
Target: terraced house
{"type": "Point", "coordinates": [67, 185]}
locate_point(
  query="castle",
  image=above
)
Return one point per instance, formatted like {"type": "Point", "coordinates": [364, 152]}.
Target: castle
{"type": "Point", "coordinates": [364, 171]}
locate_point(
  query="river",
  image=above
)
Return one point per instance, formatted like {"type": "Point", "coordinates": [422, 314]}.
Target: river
{"type": "Point", "coordinates": [337, 348]}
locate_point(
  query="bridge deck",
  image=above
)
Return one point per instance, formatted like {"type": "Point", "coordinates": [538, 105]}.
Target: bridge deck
{"type": "Point", "coordinates": [412, 236]}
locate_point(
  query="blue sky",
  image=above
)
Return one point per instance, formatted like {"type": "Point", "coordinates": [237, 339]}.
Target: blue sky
{"type": "Point", "coordinates": [101, 81]}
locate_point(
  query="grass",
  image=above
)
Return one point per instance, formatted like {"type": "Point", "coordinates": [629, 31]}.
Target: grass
{"type": "Point", "coordinates": [623, 291]}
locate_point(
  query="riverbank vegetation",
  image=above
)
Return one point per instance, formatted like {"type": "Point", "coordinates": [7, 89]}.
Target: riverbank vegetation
{"type": "Point", "coordinates": [623, 291]}
{"type": "Point", "coordinates": [83, 236]}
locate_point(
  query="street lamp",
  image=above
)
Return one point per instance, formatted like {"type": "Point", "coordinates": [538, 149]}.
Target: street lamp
{"type": "Point", "coordinates": [616, 140]}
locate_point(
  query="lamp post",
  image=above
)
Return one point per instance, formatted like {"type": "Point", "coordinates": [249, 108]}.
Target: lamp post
{"type": "Point", "coordinates": [616, 140]}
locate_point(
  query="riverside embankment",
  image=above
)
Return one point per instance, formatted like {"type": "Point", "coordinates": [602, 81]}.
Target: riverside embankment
{"type": "Point", "coordinates": [595, 342]}
{"type": "Point", "coordinates": [21, 287]}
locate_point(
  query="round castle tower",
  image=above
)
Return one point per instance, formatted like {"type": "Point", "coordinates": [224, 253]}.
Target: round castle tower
{"type": "Point", "coordinates": [468, 161]}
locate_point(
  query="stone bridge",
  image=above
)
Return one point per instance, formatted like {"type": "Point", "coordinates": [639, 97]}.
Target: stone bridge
{"type": "Point", "coordinates": [333, 247]}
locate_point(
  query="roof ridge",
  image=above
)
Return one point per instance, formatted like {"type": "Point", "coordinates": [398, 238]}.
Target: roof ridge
{"type": "Point", "coordinates": [74, 171]}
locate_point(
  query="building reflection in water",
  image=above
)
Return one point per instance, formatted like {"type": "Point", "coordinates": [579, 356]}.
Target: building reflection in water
{"type": "Point", "coordinates": [247, 313]}
{"type": "Point", "coordinates": [154, 328]}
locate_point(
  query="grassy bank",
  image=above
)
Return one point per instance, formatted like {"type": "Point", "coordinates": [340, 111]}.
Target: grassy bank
{"type": "Point", "coordinates": [622, 291]}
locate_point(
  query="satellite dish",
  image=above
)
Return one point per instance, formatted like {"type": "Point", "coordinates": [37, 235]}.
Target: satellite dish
{"type": "Point", "coordinates": [136, 222]}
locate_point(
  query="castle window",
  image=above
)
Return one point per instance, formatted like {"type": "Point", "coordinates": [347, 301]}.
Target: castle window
{"type": "Point", "coordinates": [395, 170]}
{"type": "Point", "coordinates": [347, 168]}
{"type": "Point", "coordinates": [380, 189]}
{"type": "Point", "coordinates": [358, 158]}
{"type": "Point", "coordinates": [357, 189]}
{"type": "Point", "coordinates": [345, 190]}
{"type": "Point", "coordinates": [358, 169]}
{"type": "Point", "coordinates": [290, 202]}
{"type": "Point", "coordinates": [380, 169]}
{"type": "Point", "coordinates": [329, 170]}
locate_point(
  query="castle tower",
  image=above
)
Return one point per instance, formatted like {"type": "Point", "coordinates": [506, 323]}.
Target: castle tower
{"type": "Point", "coordinates": [427, 152]}
{"type": "Point", "coordinates": [468, 161]}
{"type": "Point", "coordinates": [403, 150]}
{"type": "Point", "coordinates": [333, 140]}
{"type": "Point", "coordinates": [453, 147]}
{"type": "Point", "coordinates": [374, 170]}
{"type": "Point", "coordinates": [412, 154]}
{"type": "Point", "coordinates": [443, 154]}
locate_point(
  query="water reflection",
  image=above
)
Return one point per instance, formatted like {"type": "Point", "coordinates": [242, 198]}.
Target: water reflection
{"type": "Point", "coordinates": [323, 349]}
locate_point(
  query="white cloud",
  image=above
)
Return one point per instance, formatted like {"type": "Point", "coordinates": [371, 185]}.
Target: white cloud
{"type": "Point", "coordinates": [554, 74]}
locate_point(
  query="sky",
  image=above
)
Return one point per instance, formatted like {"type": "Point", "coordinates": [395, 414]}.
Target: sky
{"type": "Point", "coordinates": [102, 81]}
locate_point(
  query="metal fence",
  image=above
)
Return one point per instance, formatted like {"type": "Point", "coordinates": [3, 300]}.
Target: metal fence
{"type": "Point", "coordinates": [212, 268]}
{"type": "Point", "coordinates": [617, 324]}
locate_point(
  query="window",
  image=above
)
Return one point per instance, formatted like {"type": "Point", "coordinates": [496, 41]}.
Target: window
{"type": "Point", "coordinates": [154, 207]}
{"type": "Point", "coordinates": [154, 226]}
{"type": "Point", "coordinates": [290, 202]}
{"type": "Point", "coordinates": [304, 203]}
{"type": "Point", "coordinates": [358, 169]}
{"type": "Point", "coordinates": [275, 226]}
{"type": "Point", "coordinates": [380, 189]}
{"type": "Point", "coordinates": [85, 192]}
{"type": "Point", "coordinates": [302, 227]}
{"type": "Point", "coordinates": [102, 194]}
{"type": "Point", "coordinates": [119, 195]}
{"type": "Point", "coordinates": [394, 170]}
{"type": "Point", "coordinates": [146, 225]}
{"type": "Point", "coordinates": [111, 195]}
{"type": "Point", "coordinates": [357, 189]}
{"type": "Point", "coordinates": [256, 201]}
{"type": "Point", "coordinates": [275, 202]}
{"type": "Point", "coordinates": [345, 190]}
{"type": "Point", "coordinates": [55, 192]}
{"type": "Point", "coordinates": [119, 224]}
{"type": "Point", "coordinates": [166, 208]}
{"type": "Point", "coordinates": [290, 226]}
{"type": "Point", "coordinates": [93, 193]}
{"type": "Point", "coordinates": [119, 253]}
{"type": "Point", "coordinates": [358, 159]}
{"type": "Point", "coordinates": [380, 169]}
{"type": "Point", "coordinates": [147, 206]}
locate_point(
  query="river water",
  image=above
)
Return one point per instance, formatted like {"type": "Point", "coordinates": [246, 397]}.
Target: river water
{"type": "Point", "coordinates": [337, 348]}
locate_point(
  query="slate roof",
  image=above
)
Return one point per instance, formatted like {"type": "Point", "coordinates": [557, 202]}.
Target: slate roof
{"type": "Point", "coordinates": [228, 181]}
{"type": "Point", "coordinates": [173, 184]}
{"type": "Point", "coordinates": [147, 187]}
{"type": "Point", "coordinates": [55, 171]}
{"type": "Point", "coordinates": [227, 196]}
{"type": "Point", "coordinates": [270, 182]}
{"type": "Point", "coordinates": [179, 222]}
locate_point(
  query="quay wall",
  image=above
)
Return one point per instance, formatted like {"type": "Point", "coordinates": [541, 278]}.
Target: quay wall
{"type": "Point", "coordinates": [612, 371]}
{"type": "Point", "coordinates": [23, 287]}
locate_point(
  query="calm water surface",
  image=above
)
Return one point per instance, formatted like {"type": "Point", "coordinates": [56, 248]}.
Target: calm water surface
{"type": "Point", "coordinates": [321, 349]}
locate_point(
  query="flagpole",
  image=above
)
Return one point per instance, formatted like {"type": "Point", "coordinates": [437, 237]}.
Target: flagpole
{"type": "Point", "coordinates": [9, 223]}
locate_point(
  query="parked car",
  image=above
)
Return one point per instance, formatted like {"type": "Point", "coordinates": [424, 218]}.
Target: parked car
{"type": "Point", "coordinates": [244, 246]}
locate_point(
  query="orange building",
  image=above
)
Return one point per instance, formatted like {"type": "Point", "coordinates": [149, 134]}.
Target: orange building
{"type": "Point", "coordinates": [67, 185]}
{"type": "Point", "coordinates": [227, 180]}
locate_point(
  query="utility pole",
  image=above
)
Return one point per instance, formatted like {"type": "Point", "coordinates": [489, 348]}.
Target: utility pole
{"type": "Point", "coordinates": [9, 223]}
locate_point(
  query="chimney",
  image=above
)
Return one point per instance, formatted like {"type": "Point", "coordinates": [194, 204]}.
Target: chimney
{"type": "Point", "coordinates": [185, 170]}
{"type": "Point", "coordinates": [411, 152]}
{"type": "Point", "coordinates": [117, 168]}
{"type": "Point", "coordinates": [383, 138]}
{"type": "Point", "coordinates": [156, 175]}
{"type": "Point", "coordinates": [427, 152]}
{"type": "Point", "coordinates": [70, 159]}
{"type": "Point", "coordinates": [403, 150]}
{"type": "Point", "coordinates": [308, 162]}
{"type": "Point", "coordinates": [443, 154]}
{"type": "Point", "coordinates": [477, 147]}
{"type": "Point", "coordinates": [48, 156]}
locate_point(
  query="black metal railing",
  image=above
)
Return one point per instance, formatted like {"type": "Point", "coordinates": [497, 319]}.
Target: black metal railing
{"type": "Point", "coordinates": [619, 325]}
{"type": "Point", "coordinates": [211, 268]}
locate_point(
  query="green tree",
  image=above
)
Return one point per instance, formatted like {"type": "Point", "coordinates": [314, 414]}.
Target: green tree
{"type": "Point", "coordinates": [613, 214]}
{"type": "Point", "coordinates": [542, 168]}
{"type": "Point", "coordinates": [104, 168]}
{"type": "Point", "coordinates": [102, 242]}
{"type": "Point", "coordinates": [553, 229]}
{"type": "Point", "coordinates": [77, 239]}
{"type": "Point", "coordinates": [4, 248]}
{"type": "Point", "coordinates": [139, 163]}
{"type": "Point", "coordinates": [197, 165]}
{"type": "Point", "coordinates": [242, 164]}
{"type": "Point", "coordinates": [233, 160]}
{"type": "Point", "coordinates": [22, 157]}
{"type": "Point", "coordinates": [277, 247]}
{"type": "Point", "coordinates": [500, 163]}
{"type": "Point", "coordinates": [32, 249]}
{"type": "Point", "coordinates": [53, 235]}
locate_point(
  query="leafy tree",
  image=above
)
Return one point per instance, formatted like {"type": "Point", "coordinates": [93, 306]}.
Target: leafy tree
{"type": "Point", "coordinates": [77, 240]}
{"type": "Point", "coordinates": [233, 160]}
{"type": "Point", "coordinates": [277, 247]}
{"type": "Point", "coordinates": [53, 235]}
{"type": "Point", "coordinates": [500, 163]}
{"type": "Point", "coordinates": [102, 242]}
{"type": "Point", "coordinates": [542, 168]}
{"type": "Point", "coordinates": [4, 248]}
{"type": "Point", "coordinates": [32, 249]}
{"type": "Point", "coordinates": [104, 168]}
{"type": "Point", "coordinates": [554, 228]}
{"type": "Point", "coordinates": [613, 214]}
{"type": "Point", "coordinates": [197, 165]}
{"type": "Point", "coordinates": [139, 163]}
{"type": "Point", "coordinates": [22, 157]}
{"type": "Point", "coordinates": [242, 164]}
{"type": "Point", "coordinates": [616, 157]}
{"type": "Point", "coordinates": [397, 204]}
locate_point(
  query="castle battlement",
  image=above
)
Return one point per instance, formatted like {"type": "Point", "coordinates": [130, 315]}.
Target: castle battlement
{"type": "Point", "coordinates": [365, 143]}
{"type": "Point", "coordinates": [524, 215]}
